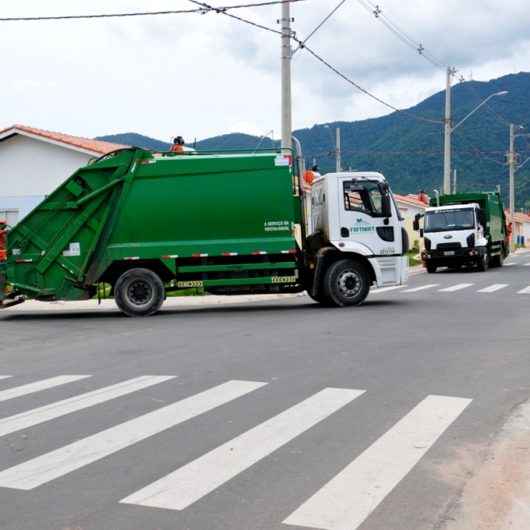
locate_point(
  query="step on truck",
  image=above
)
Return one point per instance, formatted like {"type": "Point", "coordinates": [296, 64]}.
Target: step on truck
{"type": "Point", "coordinates": [138, 226]}
{"type": "Point", "coordinates": [464, 229]}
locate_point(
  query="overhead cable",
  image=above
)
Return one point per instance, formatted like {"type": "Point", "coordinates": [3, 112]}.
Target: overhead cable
{"type": "Point", "coordinates": [378, 13]}
{"type": "Point", "coordinates": [302, 44]}
{"type": "Point", "coordinates": [202, 10]}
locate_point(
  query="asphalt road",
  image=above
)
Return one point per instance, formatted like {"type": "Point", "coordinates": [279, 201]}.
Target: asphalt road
{"type": "Point", "coordinates": [276, 415]}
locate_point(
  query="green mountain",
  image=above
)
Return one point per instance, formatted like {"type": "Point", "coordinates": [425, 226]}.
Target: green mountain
{"type": "Point", "coordinates": [408, 149]}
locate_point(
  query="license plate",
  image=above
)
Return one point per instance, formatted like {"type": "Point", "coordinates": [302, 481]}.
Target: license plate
{"type": "Point", "coordinates": [449, 253]}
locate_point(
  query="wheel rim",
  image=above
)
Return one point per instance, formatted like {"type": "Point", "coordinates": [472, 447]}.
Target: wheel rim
{"type": "Point", "coordinates": [349, 283]}
{"type": "Point", "coordinates": [140, 293]}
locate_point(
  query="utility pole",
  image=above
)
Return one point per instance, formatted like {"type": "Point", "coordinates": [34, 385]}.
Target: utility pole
{"type": "Point", "coordinates": [287, 120]}
{"type": "Point", "coordinates": [338, 162]}
{"type": "Point", "coordinates": [511, 164]}
{"type": "Point", "coordinates": [448, 131]}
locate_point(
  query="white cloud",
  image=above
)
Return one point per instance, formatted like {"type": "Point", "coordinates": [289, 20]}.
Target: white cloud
{"type": "Point", "coordinates": [204, 75]}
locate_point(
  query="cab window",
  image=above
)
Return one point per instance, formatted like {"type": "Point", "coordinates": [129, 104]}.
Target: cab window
{"type": "Point", "coordinates": [365, 197]}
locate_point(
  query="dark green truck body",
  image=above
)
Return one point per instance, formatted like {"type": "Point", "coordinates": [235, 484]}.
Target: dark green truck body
{"type": "Point", "coordinates": [216, 221]}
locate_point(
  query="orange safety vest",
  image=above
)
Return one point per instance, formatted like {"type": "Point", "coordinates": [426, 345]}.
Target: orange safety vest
{"type": "Point", "coordinates": [177, 148]}
{"type": "Point", "coordinates": [3, 242]}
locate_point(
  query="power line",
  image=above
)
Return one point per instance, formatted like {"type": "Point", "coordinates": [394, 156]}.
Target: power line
{"type": "Point", "coordinates": [365, 91]}
{"type": "Point", "coordinates": [323, 61]}
{"type": "Point", "coordinates": [302, 44]}
{"type": "Point", "coordinates": [404, 37]}
{"type": "Point", "coordinates": [203, 10]}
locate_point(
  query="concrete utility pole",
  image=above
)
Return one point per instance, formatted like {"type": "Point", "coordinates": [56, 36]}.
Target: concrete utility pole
{"type": "Point", "coordinates": [287, 120]}
{"type": "Point", "coordinates": [338, 161]}
{"type": "Point", "coordinates": [448, 131]}
{"type": "Point", "coordinates": [511, 165]}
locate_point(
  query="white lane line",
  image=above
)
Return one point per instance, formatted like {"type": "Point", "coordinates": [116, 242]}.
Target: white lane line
{"type": "Point", "coordinates": [352, 495]}
{"type": "Point", "coordinates": [82, 401]}
{"type": "Point", "coordinates": [457, 287]}
{"type": "Point", "coordinates": [493, 288]}
{"type": "Point", "coordinates": [190, 483]}
{"type": "Point", "coordinates": [37, 386]}
{"type": "Point", "coordinates": [54, 464]}
{"type": "Point", "coordinates": [526, 290]}
{"type": "Point", "coordinates": [386, 289]}
{"type": "Point", "coordinates": [422, 288]}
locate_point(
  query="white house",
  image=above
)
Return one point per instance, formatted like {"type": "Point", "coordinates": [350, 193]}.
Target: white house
{"type": "Point", "coordinates": [409, 206]}
{"type": "Point", "coordinates": [33, 162]}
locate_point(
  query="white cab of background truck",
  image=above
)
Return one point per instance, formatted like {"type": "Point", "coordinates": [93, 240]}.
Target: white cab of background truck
{"type": "Point", "coordinates": [358, 215]}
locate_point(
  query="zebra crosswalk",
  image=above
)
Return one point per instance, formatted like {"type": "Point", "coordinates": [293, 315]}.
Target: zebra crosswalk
{"type": "Point", "coordinates": [435, 287]}
{"type": "Point", "coordinates": [344, 503]}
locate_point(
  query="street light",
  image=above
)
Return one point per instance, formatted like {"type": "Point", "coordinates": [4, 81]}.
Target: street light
{"type": "Point", "coordinates": [450, 129]}
{"type": "Point", "coordinates": [502, 93]}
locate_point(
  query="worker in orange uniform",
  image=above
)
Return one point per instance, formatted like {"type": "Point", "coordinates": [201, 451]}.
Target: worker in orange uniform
{"type": "Point", "coordinates": [3, 240]}
{"type": "Point", "coordinates": [178, 145]}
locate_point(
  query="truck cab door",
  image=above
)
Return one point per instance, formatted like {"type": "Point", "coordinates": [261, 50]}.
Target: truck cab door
{"type": "Point", "coordinates": [368, 217]}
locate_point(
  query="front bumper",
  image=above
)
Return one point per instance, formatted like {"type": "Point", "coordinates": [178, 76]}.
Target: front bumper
{"type": "Point", "coordinates": [443, 258]}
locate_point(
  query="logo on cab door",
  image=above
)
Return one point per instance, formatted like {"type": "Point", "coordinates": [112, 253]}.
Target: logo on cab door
{"type": "Point", "coordinates": [361, 227]}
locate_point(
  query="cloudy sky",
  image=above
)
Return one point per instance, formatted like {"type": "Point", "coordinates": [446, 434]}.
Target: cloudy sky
{"type": "Point", "coordinates": [202, 75]}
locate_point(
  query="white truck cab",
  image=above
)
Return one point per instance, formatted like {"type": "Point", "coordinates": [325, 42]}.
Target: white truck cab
{"type": "Point", "coordinates": [453, 234]}
{"type": "Point", "coordinates": [356, 214]}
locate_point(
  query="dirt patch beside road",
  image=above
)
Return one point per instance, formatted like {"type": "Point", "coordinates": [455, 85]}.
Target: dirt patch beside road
{"type": "Point", "coordinates": [497, 496]}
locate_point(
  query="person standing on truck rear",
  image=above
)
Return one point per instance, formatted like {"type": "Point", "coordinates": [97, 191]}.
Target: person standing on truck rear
{"type": "Point", "coordinates": [178, 145]}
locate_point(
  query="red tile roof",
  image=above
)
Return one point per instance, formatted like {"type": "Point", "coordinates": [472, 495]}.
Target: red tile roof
{"type": "Point", "coordinates": [411, 199]}
{"type": "Point", "coordinates": [98, 147]}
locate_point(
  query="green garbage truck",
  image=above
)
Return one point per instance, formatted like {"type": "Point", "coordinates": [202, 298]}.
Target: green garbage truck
{"type": "Point", "coordinates": [465, 229]}
{"type": "Point", "coordinates": [141, 225]}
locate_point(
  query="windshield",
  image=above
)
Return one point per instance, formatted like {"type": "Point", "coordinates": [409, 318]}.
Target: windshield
{"type": "Point", "coordinates": [449, 220]}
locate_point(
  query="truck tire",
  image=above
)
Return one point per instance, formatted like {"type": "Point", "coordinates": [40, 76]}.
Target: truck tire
{"type": "Point", "coordinates": [346, 283]}
{"type": "Point", "coordinates": [320, 298]}
{"type": "Point", "coordinates": [497, 261]}
{"type": "Point", "coordinates": [484, 263]}
{"type": "Point", "coordinates": [139, 292]}
{"type": "Point", "coordinates": [431, 269]}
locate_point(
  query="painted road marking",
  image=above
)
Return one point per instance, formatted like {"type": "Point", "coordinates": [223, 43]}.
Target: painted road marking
{"type": "Point", "coordinates": [526, 290]}
{"type": "Point", "coordinates": [37, 386]}
{"type": "Point", "coordinates": [193, 481]}
{"type": "Point", "coordinates": [5, 376]}
{"type": "Point", "coordinates": [510, 264]}
{"type": "Point", "coordinates": [386, 289]}
{"type": "Point", "coordinates": [54, 464]}
{"type": "Point", "coordinates": [457, 287]}
{"type": "Point", "coordinates": [422, 288]}
{"type": "Point", "coordinates": [527, 264]}
{"type": "Point", "coordinates": [493, 288]}
{"type": "Point", "coordinates": [352, 495]}
{"type": "Point", "coordinates": [66, 406]}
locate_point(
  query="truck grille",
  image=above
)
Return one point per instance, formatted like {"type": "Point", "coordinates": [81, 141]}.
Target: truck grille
{"type": "Point", "coordinates": [448, 246]}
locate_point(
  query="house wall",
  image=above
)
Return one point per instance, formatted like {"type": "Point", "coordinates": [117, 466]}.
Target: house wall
{"type": "Point", "coordinates": [31, 169]}
{"type": "Point", "coordinates": [409, 212]}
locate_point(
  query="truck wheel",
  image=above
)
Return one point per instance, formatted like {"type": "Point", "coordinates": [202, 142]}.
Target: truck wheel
{"type": "Point", "coordinates": [139, 292]}
{"type": "Point", "coordinates": [346, 283]}
{"type": "Point", "coordinates": [497, 261]}
{"type": "Point", "coordinates": [484, 263]}
{"type": "Point", "coordinates": [431, 269]}
{"type": "Point", "coordinates": [320, 298]}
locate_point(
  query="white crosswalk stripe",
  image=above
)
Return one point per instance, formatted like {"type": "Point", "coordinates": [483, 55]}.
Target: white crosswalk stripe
{"type": "Point", "coordinates": [387, 289]}
{"type": "Point", "coordinates": [37, 386]}
{"type": "Point", "coordinates": [5, 376]}
{"type": "Point", "coordinates": [422, 288]}
{"type": "Point", "coordinates": [493, 288]}
{"type": "Point", "coordinates": [457, 287]}
{"type": "Point", "coordinates": [188, 484]}
{"type": "Point", "coordinates": [526, 290]}
{"type": "Point", "coordinates": [50, 466]}
{"type": "Point", "coordinates": [527, 264]}
{"type": "Point", "coordinates": [510, 264]}
{"type": "Point", "coordinates": [39, 415]}
{"type": "Point", "coordinates": [352, 495]}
